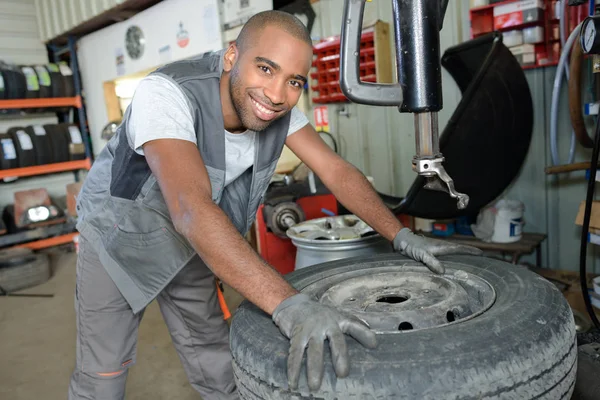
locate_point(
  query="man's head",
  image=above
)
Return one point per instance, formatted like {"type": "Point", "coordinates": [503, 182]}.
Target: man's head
{"type": "Point", "coordinates": [267, 68]}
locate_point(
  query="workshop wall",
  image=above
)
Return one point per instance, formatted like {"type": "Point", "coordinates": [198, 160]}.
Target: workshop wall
{"type": "Point", "coordinates": [552, 202]}
{"type": "Point", "coordinates": [20, 44]}
{"type": "Point", "coordinates": [379, 140]}
{"type": "Point", "coordinates": [103, 56]}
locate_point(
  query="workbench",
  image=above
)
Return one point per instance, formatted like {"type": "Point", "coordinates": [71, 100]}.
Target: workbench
{"type": "Point", "coordinates": [529, 243]}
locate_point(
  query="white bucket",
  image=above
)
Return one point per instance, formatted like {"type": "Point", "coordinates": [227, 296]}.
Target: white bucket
{"type": "Point", "coordinates": [508, 221]}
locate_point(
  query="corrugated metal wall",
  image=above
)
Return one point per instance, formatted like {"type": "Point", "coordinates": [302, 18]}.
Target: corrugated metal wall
{"type": "Point", "coordinates": [20, 44]}
{"type": "Point", "coordinates": [58, 16]}
{"type": "Point", "coordinates": [19, 37]}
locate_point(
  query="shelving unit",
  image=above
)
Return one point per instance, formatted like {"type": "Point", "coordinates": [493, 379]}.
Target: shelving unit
{"type": "Point", "coordinates": [41, 103]}
{"type": "Point", "coordinates": [46, 169]}
{"type": "Point", "coordinates": [63, 233]}
{"type": "Point", "coordinates": [547, 51]}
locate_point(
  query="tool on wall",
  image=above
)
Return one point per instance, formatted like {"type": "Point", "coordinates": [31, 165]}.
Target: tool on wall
{"type": "Point", "coordinates": [417, 26]}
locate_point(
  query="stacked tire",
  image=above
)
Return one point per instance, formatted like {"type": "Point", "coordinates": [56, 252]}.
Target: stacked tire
{"type": "Point", "coordinates": [40, 145]}
{"type": "Point", "coordinates": [36, 81]}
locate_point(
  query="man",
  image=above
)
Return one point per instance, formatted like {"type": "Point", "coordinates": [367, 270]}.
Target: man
{"type": "Point", "coordinates": [169, 199]}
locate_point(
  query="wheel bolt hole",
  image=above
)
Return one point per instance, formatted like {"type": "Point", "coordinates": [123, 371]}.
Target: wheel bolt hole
{"type": "Point", "coordinates": [405, 326]}
{"type": "Point", "coordinates": [392, 299]}
{"type": "Point", "coordinates": [450, 316]}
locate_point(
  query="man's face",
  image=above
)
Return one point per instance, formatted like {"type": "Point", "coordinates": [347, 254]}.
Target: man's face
{"type": "Point", "coordinates": [266, 81]}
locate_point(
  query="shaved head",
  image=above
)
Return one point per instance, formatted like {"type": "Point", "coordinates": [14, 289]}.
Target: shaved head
{"type": "Point", "coordinates": [282, 20]}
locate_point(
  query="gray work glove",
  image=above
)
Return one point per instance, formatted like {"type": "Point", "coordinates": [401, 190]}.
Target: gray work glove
{"type": "Point", "coordinates": [424, 249]}
{"type": "Point", "coordinates": [307, 322]}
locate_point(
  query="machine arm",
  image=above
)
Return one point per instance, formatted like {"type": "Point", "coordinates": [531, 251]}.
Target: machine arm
{"type": "Point", "coordinates": [417, 25]}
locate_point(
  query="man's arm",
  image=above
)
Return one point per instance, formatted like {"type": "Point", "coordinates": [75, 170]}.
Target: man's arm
{"type": "Point", "coordinates": [208, 229]}
{"type": "Point", "coordinates": [345, 181]}
{"type": "Point", "coordinates": [355, 192]}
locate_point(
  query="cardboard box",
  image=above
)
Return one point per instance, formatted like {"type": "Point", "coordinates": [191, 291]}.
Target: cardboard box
{"type": "Point", "coordinates": [525, 54]}
{"type": "Point", "coordinates": [237, 12]}
{"type": "Point", "coordinates": [518, 13]}
{"type": "Point", "coordinates": [594, 216]}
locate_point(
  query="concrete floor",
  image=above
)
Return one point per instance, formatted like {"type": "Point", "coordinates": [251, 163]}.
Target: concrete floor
{"type": "Point", "coordinates": [37, 344]}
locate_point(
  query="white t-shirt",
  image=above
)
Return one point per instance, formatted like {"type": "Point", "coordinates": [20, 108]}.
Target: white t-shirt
{"type": "Point", "coordinates": [160, 110]}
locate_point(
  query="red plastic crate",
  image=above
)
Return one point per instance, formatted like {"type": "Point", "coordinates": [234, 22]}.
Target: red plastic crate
{"type": "Point", "coordinates": [326, 68]}
{"type": "Point", "coordinates": [548, 51]}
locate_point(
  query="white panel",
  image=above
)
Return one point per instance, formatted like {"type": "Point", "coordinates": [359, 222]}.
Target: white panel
{"type": "Point", "coordinates": [41, 23]}
{"type": "Point", "coordinates": [160, 24]}
{"type": "Point", "coordinates": [17, 7]}
{"type": "Point", "coordinates": [74, 8]}
{"type": "Point", "coordinates": [65, 13]}
{"type": "Point", "coordinates": [55, 17]}
{"type": "Point", "coordinates": [47, 18]}
{"type": "Point", "coordinates": [19, 33]}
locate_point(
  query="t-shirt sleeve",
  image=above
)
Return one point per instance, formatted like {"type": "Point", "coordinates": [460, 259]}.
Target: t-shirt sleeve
{"type": "Point", "coordinates": [159, 110]}
{"type": "Point", "coordinates": [297, 121]}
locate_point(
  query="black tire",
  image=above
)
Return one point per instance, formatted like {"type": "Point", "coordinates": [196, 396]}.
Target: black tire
{"type": "Point", "coordinates": [8, 152]}
{"type": "Point", "coordinates": [58, 142]}
{"type": "Point", "coordinates": [69, 82]}
{"type": "Point", "coordinates": [31, 82]}
{"type": "Point", "coordinates": [41, 143]}
{"type": "Point", "coordinates": [44, 80]}
{"type": "Point", "coordinates": [14, 81]}
{"type": "Point", "coordinates": [58, 85]}
{"type": "Point", "coordinates": [3, 84]}
{"type": "Point", "coordinates": [23, 270]}
{"type": "Point", "coordinates": [75, 140]}
{"type": "Point", "coordinates": [24, 146]}
{"type": "Point", "coordinates": [523, 347]}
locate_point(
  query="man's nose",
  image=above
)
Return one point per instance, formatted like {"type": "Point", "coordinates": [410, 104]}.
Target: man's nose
{"type": "Point", "coordinates": [275, 91]}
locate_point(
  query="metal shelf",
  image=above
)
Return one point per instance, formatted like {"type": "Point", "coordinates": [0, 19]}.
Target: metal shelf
{"type": "Point", "coordinates": [46, 169]}
{"type": "Point", "coordinates": [41, 103]}
{"type": "Point", "coordinates": [40, 238]}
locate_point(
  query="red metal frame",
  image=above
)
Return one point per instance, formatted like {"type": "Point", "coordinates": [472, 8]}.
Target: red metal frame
{"type": "Point", "coordinates": [279, 252]}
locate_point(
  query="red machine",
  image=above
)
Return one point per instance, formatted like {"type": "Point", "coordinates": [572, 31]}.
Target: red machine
{"type": "Point", "coordinates": [273, 219]}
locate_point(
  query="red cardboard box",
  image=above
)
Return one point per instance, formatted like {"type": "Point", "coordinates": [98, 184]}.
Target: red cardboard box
{"type": "Point", "coordinates": [515, 14]}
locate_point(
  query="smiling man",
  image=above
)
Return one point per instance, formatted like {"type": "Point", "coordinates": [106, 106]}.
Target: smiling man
{"type": "Point", "coordinates": [167, 202]}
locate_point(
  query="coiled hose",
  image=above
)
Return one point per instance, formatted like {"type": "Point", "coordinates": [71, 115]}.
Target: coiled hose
{"type": "Point", "coordinates": [562, 68]}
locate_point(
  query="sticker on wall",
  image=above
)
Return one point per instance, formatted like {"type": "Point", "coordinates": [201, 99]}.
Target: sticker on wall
{"type": "Point", "coordinates": [321, 118]}
{"type": "Point", "coordinates": [183, 36]}
{"type": "Point", "coordinates": [120, 61]}
{"type": "Point", "coordinates": [164, 54]}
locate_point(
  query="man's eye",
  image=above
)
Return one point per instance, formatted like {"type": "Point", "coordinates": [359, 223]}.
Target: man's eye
{"type": "Point", "coordinates": [296, 83]}
{"type": "Point", "coordinates": [266, 70]}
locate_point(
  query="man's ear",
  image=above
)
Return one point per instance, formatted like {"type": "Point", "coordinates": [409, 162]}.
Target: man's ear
{"type": "Point", "coordinates": [230, 57]}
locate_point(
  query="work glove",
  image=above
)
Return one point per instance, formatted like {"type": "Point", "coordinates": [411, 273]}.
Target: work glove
{"type": "Point", "coordinates": [424, 249]}
{"type": "Point", "coordinates": [309, 323]}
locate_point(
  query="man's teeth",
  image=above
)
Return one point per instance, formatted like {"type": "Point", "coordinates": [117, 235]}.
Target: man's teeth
{"type": "Point", "coordinates": [261, 108]}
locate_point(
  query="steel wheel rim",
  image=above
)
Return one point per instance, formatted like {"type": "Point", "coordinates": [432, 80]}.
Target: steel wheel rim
{"type": "Point", "coordinates": [400, 301]}
{"type": "Point", "coordinates": [338, 229]}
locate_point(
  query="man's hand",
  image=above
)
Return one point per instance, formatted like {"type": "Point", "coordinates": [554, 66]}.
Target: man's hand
{"type": "Point", "coordinates": [309, 323]}
{"type": "Point", "coordinates": [424, 249]}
